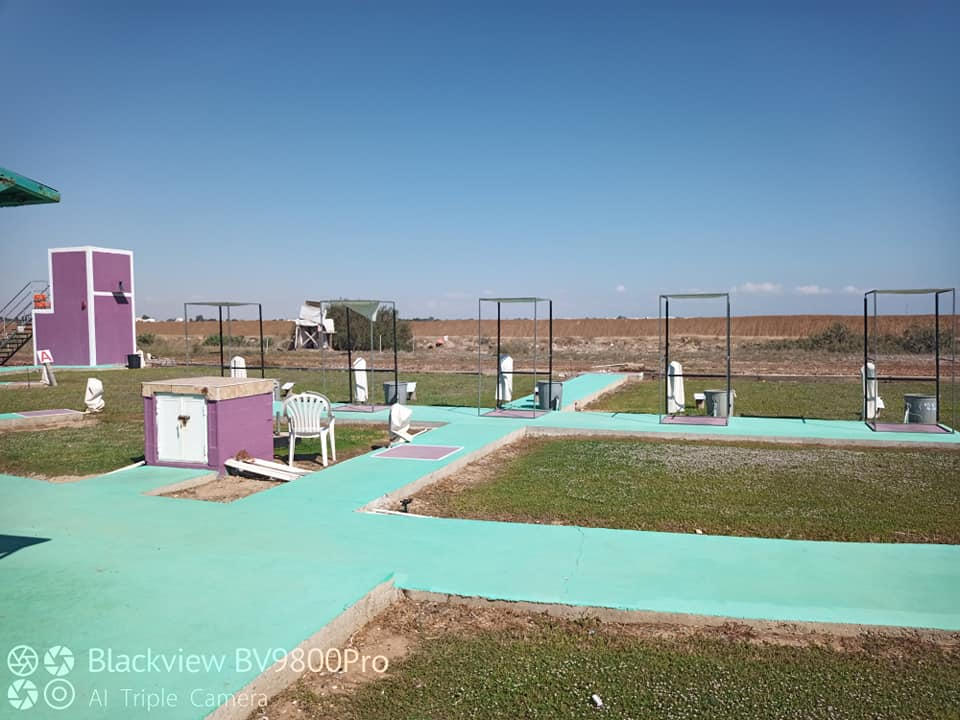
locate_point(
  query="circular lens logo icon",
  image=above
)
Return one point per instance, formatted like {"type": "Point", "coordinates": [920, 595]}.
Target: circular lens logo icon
{"type": "Point", "coordinates": [22, 694]}
{"type": "Point", "coordinates": [22, 660]}
{"type": "Point", "coordinates": [59, 694]}
{"type": "Point", "coordinates": [58, 660]}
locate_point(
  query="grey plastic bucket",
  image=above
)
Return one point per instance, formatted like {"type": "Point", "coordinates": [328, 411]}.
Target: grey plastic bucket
{"type": "Point", "coordinates": [549, 395]}
{"type": "Point", "coordinates": [920, 409]}
{"type": "Point", "coordinates": [390, 392]}
{"type": "Point", "coordinates": [716, 401]}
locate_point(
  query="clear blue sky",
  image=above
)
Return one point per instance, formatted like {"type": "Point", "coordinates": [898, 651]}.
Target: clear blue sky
{"type": "Point", "coordinates": [598, 153]}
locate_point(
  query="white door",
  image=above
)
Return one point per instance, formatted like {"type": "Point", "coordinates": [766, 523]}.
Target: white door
{"type": "Point", "coordinates": [181, 428]}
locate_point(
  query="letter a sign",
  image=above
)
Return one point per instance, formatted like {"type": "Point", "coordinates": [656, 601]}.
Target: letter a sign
{"type": "Point", "coordinates": [44, 357]}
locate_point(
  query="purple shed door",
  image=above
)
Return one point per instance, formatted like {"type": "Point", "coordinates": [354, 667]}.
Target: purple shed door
{"type": "Point", "coordinates": [114, 328]}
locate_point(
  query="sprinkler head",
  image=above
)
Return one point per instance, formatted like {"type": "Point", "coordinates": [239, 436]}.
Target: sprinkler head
{"type": "Point", "coordinates": [405, 504]}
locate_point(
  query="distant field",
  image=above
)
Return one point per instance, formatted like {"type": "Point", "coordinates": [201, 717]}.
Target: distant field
{"type": "Point", "coordinates": [759, 326]}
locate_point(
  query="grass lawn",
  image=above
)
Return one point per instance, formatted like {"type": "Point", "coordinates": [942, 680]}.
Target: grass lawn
{"type": "Point", "coordinates": [544, 668]}
{"type": "Point", "coordinates": [864, 495]}
{"type": "Point", "coordinates": [811, 398]}
{"type": "Point", "coordinates": [116, 438]}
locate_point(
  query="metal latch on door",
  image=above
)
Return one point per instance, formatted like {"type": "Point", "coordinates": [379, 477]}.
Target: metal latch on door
{"type": "Point", "coordinates": [183, 420]}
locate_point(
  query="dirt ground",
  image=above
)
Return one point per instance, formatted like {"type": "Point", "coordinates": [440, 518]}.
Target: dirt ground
{"type": "Point", "coordinates": [405, 626]}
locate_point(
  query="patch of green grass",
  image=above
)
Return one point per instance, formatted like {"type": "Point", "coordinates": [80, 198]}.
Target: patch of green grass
{"type": "Point", "coordinates": [115, 437]}
{"type": "Point", "coordinates": [809, 398]}
{"type": "Point", "coordinates": [767, 491]}
{"type": "Point", "coordinates": [551, 673]}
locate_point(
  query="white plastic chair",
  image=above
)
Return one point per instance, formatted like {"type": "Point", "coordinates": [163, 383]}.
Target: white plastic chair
{"type": "Point", "coordinates": [238, 367]}
{"type": "Point", "coordinates": [676, 399]}
{"type": "Point", "coordinates": [872, 402]}
{"type": "Point", "coordinates": [93, 397]}
{"type": "Point", "coordinates": [309, 415]}
{"type": "Point", "coordinates": [505, 379]}
{"type": "Point", "coordinates": [400, 417]}
{"type": "Point", "coordinates": [360, 380]}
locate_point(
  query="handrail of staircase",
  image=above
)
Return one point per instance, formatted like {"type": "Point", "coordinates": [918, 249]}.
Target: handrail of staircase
{"type": "Point", "coordinates": [23, 302]}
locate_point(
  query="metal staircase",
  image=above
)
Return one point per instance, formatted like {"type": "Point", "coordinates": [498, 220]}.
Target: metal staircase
{"type": "Point", "coordinates": [16, 318]}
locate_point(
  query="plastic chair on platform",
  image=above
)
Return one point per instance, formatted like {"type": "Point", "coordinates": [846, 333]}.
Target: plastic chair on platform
{"type": "Point", "coordinates": [310, 415]}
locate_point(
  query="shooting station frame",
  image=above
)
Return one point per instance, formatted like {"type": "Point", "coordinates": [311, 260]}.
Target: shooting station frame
{"type": "Point", "coordinates": [663, 329]}
{"type": "Point", "coordinates": [220, 305]}
{"type": "Point", "coordinates": [871, 331]}
{"type": "Point", "coordinates": [500, 410]}
{"type": "Point", "coordinates": [357, 306]}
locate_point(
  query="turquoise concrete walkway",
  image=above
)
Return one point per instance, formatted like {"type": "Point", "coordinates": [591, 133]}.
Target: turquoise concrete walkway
{"type": "Point", "coordinates": [99, 566]}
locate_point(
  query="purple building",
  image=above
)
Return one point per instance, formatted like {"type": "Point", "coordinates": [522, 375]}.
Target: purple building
{"type": "Point", "coordinates": [91, 318]}
{"type": "Point", "coordinates": [201, 422]}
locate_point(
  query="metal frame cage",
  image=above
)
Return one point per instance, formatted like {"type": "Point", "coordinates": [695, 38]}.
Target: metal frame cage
{"type": "Point", "coordinates": [871, 331]}
{"type": "Point", "coordinates": [350, 306]}
{"type": "Point", "coordinates": [535, 302]}
{"type": "Point", "coordinates": [663, 327]}
{"type": "Point", "coordinates": [220, 305]}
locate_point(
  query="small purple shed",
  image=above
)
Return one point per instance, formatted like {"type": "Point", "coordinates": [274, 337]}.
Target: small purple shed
{"type": "Point", "coordinates": [91, 318]}
{"type": "Point", "coordinates": [200, 422]}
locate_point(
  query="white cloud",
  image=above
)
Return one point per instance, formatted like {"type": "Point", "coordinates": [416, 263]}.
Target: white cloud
{"type": "Point", "coordinates": [811, 290]}
{"type": "Point", "coordinates": [760, 288]}
{"type": "Point", "coordinates": [852, 290]}
{"type": "Point", "coordinates": [621, 288]}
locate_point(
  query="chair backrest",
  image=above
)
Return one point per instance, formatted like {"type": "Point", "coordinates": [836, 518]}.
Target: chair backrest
{"type": "Point", "coordinates": [238, 367]}
{"type": "Point", "coordinates": [308, 413]}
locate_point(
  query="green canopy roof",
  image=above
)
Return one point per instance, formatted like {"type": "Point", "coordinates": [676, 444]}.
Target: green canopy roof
{"type": "Point", "coordinates": [19, 190]}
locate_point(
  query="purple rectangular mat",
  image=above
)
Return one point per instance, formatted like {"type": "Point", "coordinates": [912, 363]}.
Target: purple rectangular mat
{"type": "Point", "coordinates": [508, 412]}
{"type": "Point", "coordinates": [42, 413]}
{"type": "Point", "coordinates": [693, 420]}
{"type": "Point", "coordinates": [361, 408]}
{"type": "Point", "coordinates": [420, 452]}
{"type": "Point", "coordinates": [908, 428]}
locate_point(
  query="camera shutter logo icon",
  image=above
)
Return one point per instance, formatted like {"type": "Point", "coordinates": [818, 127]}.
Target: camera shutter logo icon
{"type": "Point", "coordinates": [58, 660]}
{"type": "Point", "coordinates": [22, 660]}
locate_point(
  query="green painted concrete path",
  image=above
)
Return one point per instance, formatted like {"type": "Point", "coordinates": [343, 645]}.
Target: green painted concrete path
{"type": "Point", "coordinates": [99, 566]}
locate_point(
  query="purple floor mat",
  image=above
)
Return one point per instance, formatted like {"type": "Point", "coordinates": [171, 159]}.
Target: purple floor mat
{"type": "Point", "coordinates": [42, 413]}
{"type": "Point", "coordinates": [362, 408]}
{"type": "Point", "coordinates": [908, 428]}
{"type": "Point", "coordinates": [508, 412]}
{"type": "Point", "coordinates": [420, 452]}
{"type": "Point", "coordinates": [693, 420]}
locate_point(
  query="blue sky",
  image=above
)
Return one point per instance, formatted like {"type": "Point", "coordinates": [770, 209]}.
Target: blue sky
{"type": "Point", "coordinates": [597, 153]}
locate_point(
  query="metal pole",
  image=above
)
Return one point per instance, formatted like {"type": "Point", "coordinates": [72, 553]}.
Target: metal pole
{"type": "Point", "coordinates": [262, 359]}
{"type": "Point", "coordinates": [535, 303]}
{"type": "Point", "coordinates": [666, 354]}
{"type": "Point", "coordinates": [497, 392]}
{"type": "Point", "coordinates": [220, 317]}
{"type": "Point", "coordinates": [396, 368]}
{"type": "Point", "coordinates": [550, 351]}
{"type": "Point", "coordinates": [186, 335]}
{"type": "Point", "coordinates": [866, 336]}
{"type": "Point", "coordinates": [349, 355]}
{"type": "Point", "coordinates": [953, 362]}
{"type": "Point", "coordinates": [729, 398]}
{"type": "Point", "coordinates": [479, 358]}
{"type": "Point", "coordinates": [936, 342]}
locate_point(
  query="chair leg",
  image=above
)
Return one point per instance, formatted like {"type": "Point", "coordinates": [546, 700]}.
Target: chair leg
{"type": "Point", "coordinates": [333, 443]}
{"type": "Point", "coordinates": [293, 440]}
{"type": "Point", "coordinates": [323, 447]}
